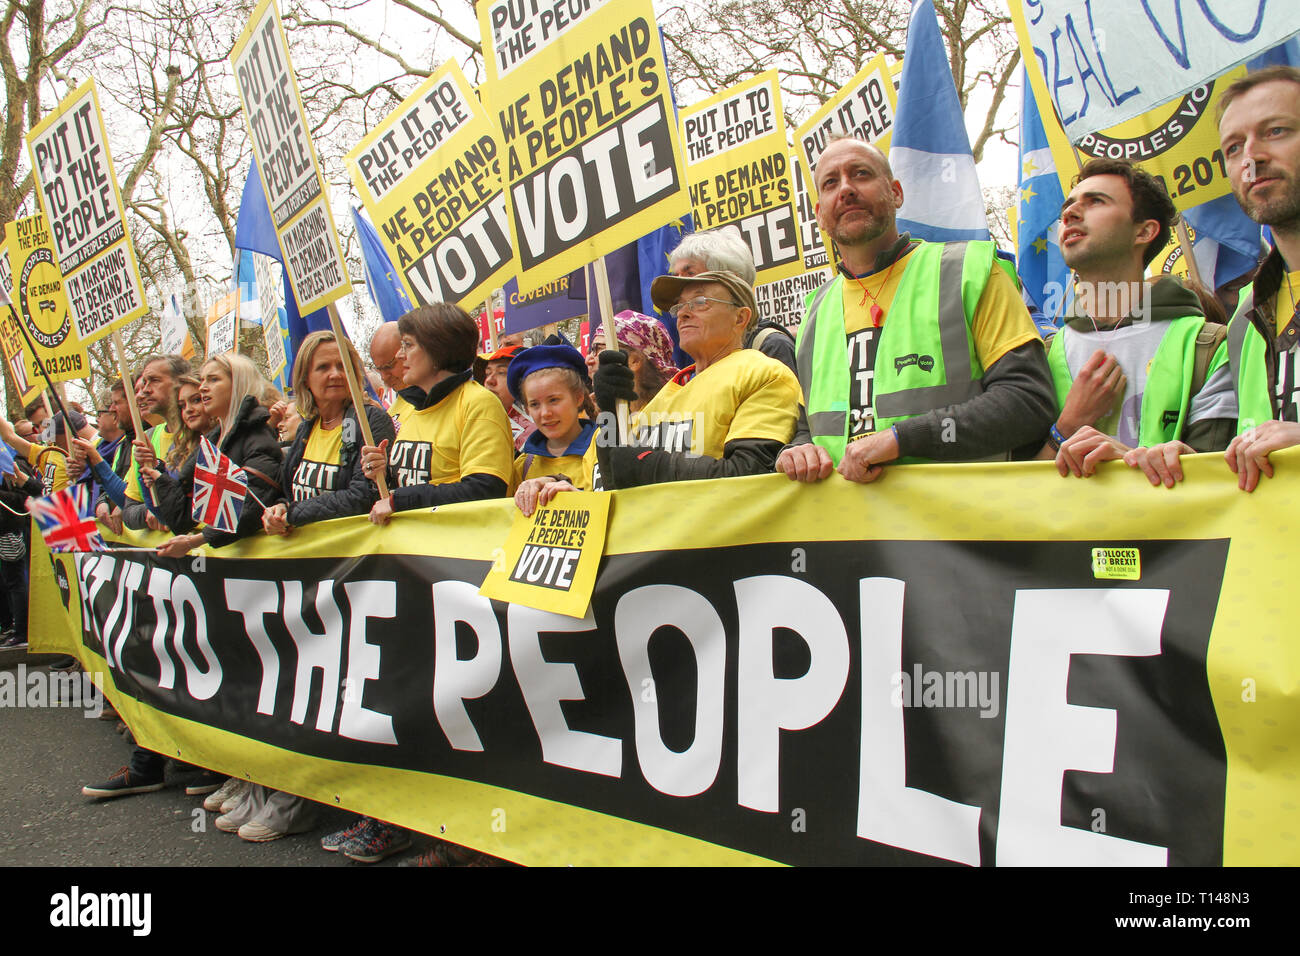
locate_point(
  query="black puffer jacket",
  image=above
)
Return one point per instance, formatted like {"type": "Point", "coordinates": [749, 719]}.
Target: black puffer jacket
{"type": "Point", "coordinates": [14, 492]}
{"type": "Point", "coordinates": [356, 493]}
{"type": "Point", "coordinates": [251, 444]}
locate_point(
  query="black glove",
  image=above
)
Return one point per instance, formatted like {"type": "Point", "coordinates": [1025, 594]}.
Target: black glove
{"type": "Point", "coordinates": [613, 380]}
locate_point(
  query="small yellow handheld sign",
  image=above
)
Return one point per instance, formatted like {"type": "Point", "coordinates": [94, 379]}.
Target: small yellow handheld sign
{"type": "Point", "coordinates": [550, 559]}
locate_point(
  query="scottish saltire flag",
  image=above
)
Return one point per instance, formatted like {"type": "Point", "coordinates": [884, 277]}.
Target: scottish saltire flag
{"type": "Point", "coordinates": [219, 488]}
{"type": "Point", "coordinates": [1042, 271]}
{"type": "Point", "coordinates": [245, 280]}
{"type": "Point", "coordinates": [930, 151]}
{"type": "Point", "coordinates": [66, 521]}
{"type": "Point", "coordinates": [386, 290]}
{"type": "Point", "coordinates": [7, 460]}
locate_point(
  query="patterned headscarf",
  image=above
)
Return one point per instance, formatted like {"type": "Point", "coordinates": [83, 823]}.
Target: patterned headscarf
{"type": "Point", "coordinates": [648, 336]}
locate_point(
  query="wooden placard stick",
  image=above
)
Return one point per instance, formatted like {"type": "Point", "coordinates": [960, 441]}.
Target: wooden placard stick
{"type": "Point", "coordinates": [128, 386]}
{"type": "Point", "coordinates": [354, 388]}
{"type": "Point", "coordinates": [44, 374]}
{"type": "Point", "coordinates": [606, 301]}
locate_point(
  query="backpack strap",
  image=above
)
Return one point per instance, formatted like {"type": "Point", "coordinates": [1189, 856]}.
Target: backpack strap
{"type": "Point", "coordinates": [1207, 343]}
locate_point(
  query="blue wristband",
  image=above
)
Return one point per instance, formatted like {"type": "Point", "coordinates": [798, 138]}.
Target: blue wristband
{"type": "Point", "coordinates": [1055, 438]}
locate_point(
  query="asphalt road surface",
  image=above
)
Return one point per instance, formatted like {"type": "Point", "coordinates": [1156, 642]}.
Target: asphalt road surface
{"type": "Point", "coordinates": [50, 753]}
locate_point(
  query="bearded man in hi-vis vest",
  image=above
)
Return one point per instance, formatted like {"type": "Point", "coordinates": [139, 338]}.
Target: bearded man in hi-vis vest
{"type": "Point", "coordinates": [915, 351]}
{"type": "Point", "coordinates": [1259, 129]}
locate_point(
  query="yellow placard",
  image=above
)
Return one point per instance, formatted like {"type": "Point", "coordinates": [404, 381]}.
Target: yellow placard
{"type": "Point", "coordinates": [1170, 259]}
{"type": "Point", "coordinates": [550, 559]}
{"type": "Point", "coordinates": [592, 158]}
{"type": "Point", "coordinates": [11, 340]}
{"type": "Point", "coordinates": [783, 300]}
{"type": "Point", "coordinates": [863, 108]}
{"type": "Point", "coordinates": [1179, 141]}
{"type": "Point", "coordinates": [286, 159]}
{"type": "Point", "coordinates": [41, 305]}
{"type": "Point", "coordinates": [11, 343]}
{"type": "Point", "coordinates": [430, 176]}
{"type": "Point", "coordinates": [223, 326]}
{"type": "Point", "coordinates": [78, 192]}
{"type": "Point", "coordinates": [738, 171]}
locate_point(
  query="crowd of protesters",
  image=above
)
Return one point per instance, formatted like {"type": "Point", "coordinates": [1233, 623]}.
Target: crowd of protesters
{"type": "Point", "coordinates": [914, 351]}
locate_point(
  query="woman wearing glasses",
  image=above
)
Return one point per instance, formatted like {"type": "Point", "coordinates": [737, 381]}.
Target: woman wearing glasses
{"type": "Point", "coordinates": [727, 414]}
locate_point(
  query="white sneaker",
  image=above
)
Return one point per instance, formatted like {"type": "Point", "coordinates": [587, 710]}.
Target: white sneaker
{"type": "Point", "coordinates": [236, 799]}
{"type": "Point", "coordinates": [231, 821]}
{"type": "Point", "coordinates": [229, 790]}
{"type": "Point", "coordinates": [254, 831]}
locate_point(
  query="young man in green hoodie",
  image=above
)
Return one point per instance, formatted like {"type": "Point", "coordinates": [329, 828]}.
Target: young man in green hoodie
{"type": "Point", "coordinates": [1137, 367]}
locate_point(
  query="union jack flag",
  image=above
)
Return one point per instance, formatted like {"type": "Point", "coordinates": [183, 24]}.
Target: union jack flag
{"type": "Point", "coordinates": [66, 521]}
{"type": "Point", "coordinates": [219, 488]}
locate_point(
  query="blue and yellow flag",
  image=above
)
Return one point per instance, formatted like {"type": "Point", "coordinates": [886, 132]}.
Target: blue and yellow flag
{"type": "Point", "coordinates": [1043, 273]}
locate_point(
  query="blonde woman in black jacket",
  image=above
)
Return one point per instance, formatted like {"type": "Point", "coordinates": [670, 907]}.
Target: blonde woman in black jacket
{"type": "Point", "coordinates": [230, 385]}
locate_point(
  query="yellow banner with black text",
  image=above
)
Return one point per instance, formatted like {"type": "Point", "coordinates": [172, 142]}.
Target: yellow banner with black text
{"type": "Point", "coordinates": [981, 663]}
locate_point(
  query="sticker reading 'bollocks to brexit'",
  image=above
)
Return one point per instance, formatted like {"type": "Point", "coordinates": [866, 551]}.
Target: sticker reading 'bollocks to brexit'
{"type": "Point", "coordinates": [549, 561]}
{"type": "Point", "coordinates": [592, 157]}
{"type": "Point", "coordinates": [1122, 564]}
{"type": "Point", "coordinates": [430, 177]}
{"type": "Point", "coordinates": [78, 192]}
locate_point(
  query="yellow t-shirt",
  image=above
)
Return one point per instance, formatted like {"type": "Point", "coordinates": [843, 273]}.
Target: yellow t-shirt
{"type": "Point", "coordinates": [744, 395]}
{"type": "Point", "coordinates": [51, 464]}
{"type": "Point", "coordinates": [577, 468]}
{"type": "Point", "coordinates": [466, 433]}
{"type": "Point", "coordinates": [1001, 323]}
{"type": "Point", "coordinates": [161, 440]}
{"type": "Point", "coordinates": [399, 411]}
{"type": "Point", "coordinates": [319, 472]}
{"type": "Point", "coordinates": [1288, 295]}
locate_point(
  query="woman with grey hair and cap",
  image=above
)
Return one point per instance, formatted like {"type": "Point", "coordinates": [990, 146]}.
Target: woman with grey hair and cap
{"type": "Point", "coordinates": [728, 414]}
{"type": "Point", "coordinates": [725, 250]}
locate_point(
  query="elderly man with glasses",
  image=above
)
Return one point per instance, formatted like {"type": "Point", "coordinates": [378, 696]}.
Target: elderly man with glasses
{"type": "Point", "coordinates": [728, 414]}
{"type": "Point", "coordinates": [388, 363]}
